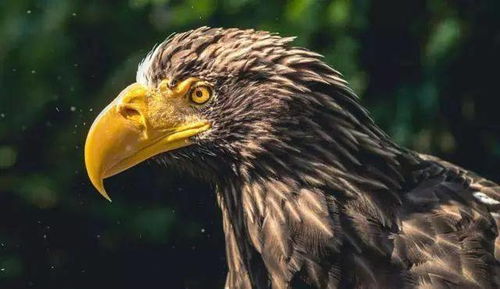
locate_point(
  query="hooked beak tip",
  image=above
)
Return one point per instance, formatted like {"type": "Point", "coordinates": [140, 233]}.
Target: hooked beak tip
{"type": "Point", "coordinates": [105, 195]}
{"type": "Point", "coordinates": [99, 185]}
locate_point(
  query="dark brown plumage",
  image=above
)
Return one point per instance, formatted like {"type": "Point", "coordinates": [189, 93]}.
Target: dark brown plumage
{"type": "Point", "coordinates": [313, 194]}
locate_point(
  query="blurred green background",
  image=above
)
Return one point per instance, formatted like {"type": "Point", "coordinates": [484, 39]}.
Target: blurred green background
{"type": "Point", "coordinates": [428, 71]}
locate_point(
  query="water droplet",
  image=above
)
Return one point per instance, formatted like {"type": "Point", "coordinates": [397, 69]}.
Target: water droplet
{"type": "Point", "coordinates": [74, 14]}
{"type": "Point", "coordinates": [2, 269]}
{"type": "Point", "coordinates": [203, 230]}
{"type": "Point", "coordinates": [28, 11]}
{"type": "Point", "coordinates": [91, 109]}
{"type": "Point", "coordinates": [2, 115]}
{"type": "Point", "coordinates": [72, 108]}
{"type": "Point", "coordinates": [33, 71]}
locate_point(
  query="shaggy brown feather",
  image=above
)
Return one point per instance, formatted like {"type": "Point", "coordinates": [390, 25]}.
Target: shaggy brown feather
{"type": "Point", "coordinates": [313, 194]}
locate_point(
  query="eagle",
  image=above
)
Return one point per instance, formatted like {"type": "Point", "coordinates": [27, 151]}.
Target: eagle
{"type": "Point", "coordinates": [313, 193]}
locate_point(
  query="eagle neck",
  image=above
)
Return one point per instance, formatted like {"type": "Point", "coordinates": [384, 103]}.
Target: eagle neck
{"type": "Point", "coordinates": [297, 195]}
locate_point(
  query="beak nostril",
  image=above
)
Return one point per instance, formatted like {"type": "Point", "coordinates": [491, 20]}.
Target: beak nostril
{"type": "Point", "coordinates": [130, 113]}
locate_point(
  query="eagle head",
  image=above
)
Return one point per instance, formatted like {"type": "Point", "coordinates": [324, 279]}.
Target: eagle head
{"type": "Point", "coordinates": [220, 103]}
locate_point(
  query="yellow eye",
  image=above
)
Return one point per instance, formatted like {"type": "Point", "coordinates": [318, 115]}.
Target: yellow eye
{"type": "Point", "coordinates": [200, 94]}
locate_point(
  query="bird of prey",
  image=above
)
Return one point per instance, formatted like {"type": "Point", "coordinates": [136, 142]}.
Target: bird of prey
{"type": "Point", "coordinates": [313, 193]}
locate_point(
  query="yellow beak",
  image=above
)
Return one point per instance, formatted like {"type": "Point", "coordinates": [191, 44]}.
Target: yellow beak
{"type": "Point", "coordinates": [130, 130]}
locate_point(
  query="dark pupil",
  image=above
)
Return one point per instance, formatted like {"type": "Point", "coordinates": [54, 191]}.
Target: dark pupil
{"type": "Point", "coordinates": [199, 93]}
